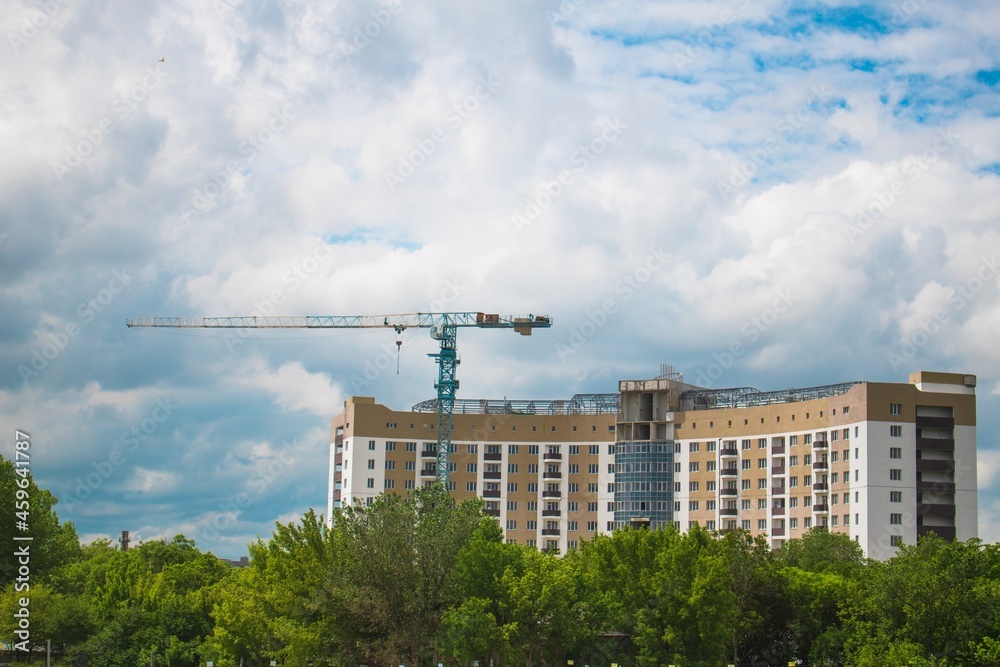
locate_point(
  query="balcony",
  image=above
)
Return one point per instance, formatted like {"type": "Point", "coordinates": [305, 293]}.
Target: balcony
{"type": "Point", "coordinates": [939, 444]}
{"type": "Point", "coordinates": [551, 474]}
{"type": "Point", "coordinates": [821, 508]}
{"type": "Point", "coordinates": [728, 492]}
{"type": "Point", "coordinates": [935, 422]}
{"type": "Point", "coordinates": [927, 509]}
{"type": "Point", "coordinates": [777, 449]}
{"type": "Point", "coordinates": [777, 511]}
{"type": "Point", "coordinates": [729, 471]}
{"type": "Point", "coordinates": [777, 490]}
{"type": "Point", "coordinates": [821, 465]}
{"type": "Point", "coordinates": [495, 513]}
{"type": "Point", "coordinates": [935, 487]}
{"type": "Point", "coordinates": [821, 486]}
{"type": "Point", "coordinates": [491, 474]}
{"type": "Point", "coordinates": [777, 470]}
{"type": "Point", "coordinates": [491, 493]}
{"type": "Point", "coordinates": [553, 493]}
{"type": "Point", "coordinates": [821, 444]}
{"type": "Point", "coordinates": [728, 511]}
{"type": "Point", "coordinates": [555, 513]}
{"type": "Point", "coordinates": [492, 456]}
{"type": "Point", "coordinates": [428, 472]}
{"type": "Point", "coordinates": [778, 532]}
{"type": "Point", "coordinates": [932, 465]}
{"type": "Point", "coordinates": [550, 532]}
{"type": "Point", "coordinates": [729, 451]}
{"type": "Point", "coordinates": [944, 532]}
{"type": "Point", "coordinates": [429, 453]}
{"type": "Point", "coordinates": [552, 456]}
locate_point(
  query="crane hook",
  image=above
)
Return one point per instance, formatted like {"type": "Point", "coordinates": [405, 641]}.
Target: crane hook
{"type": "Point", "coordinates": [399, 344]}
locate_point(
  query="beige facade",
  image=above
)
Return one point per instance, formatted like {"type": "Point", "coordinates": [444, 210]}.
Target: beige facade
{"type": "Point", "coordinates": [881, 462]}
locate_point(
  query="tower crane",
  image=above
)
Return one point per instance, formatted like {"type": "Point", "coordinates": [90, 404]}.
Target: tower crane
{"type": "Point", "coordinates": [443, 328]}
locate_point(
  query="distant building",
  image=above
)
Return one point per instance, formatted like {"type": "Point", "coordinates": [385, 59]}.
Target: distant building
{"type": "Point", "coordinates": [881, 462]}
{"type": "Point", "coordinates": [244, 561]}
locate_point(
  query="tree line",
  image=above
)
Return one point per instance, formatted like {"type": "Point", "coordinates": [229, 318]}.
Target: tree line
{"type": "Point", "coordinates": [421, 579]}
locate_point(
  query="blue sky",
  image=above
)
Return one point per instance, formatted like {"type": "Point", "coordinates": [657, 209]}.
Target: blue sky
{"type": "Point", "coordinates": [667, 170]}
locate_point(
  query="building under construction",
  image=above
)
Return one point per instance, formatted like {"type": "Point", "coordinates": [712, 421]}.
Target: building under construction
{"type": "Point", "coordinates": [881, 462]}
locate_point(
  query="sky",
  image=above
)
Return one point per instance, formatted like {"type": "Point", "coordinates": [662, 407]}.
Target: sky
{"type": "Point", "coordinates": [762, 193]}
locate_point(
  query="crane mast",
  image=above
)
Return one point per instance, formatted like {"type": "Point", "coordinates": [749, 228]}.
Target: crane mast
{"type": "Point", "coordinates": [443, 328]}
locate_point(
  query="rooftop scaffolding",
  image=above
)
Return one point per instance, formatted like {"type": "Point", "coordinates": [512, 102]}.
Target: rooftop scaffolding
{"type": "Point", "coordinates": [580, 404]}
{"type": "Point", "coordinates": [746, 397]}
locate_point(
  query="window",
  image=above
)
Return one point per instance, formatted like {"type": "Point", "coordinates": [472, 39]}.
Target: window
{"type": "Point", "coordinates": [793, 523]}
{"type": "Point", "coordinates": [533, 450]}
{"type": "Point", "coordinates": [412, 465]}
{"type": "Point", "coordinates": [896, 519]}
{"type": "Point", "coordinates": [693, 447]}
{"type": "Point", "coordinates": [762, 442]}
{"type": "Point", "coordinates": [793, 461]}
{"type": "Point", "coordinates": [532, 487]}
{"type": "Point", "coordinates": [857, 519]}
{"type": "Point", "coordinates": [390, 465]}
{"type": "Point", "coordinates": [389, 484]}
{"type": "Point", "coordinates": [745, 484]}
{"type": "Point", "coordinates": [591, 507]}
{"type": "Point", "coordinates": [834, 520]}
{"type": "Point", "coordinates": [594, 450]}
{"type": "Point", "coordinates": [762, 483]}
{"type": "Point", "coordinates": [693, 466]}
{"type": "Point", "coordinates": [833, 457]}
{"type": "Point", "coordinates": [390, 445]}
{"type": "Point", "coordinates": [847, 433]}
{"type": "Point", "coordinates": [895, 430]}
{"type": "Point", "coordinates": [471, 467]}
{"type": "Point", "coordinates": [693, 506]}
{"type": "Point", "coordinates": [807, 480]}
{"type": "Point", "coordinates": [371, 482]}
{"type": "Point", "coordinates": [896, 474]}
{"type": "Point", "coordinates": [470, 486]}
{"type": "Point", "coordinates": [511, 487]}
{"type": "Point", "coordinates": [745, 524]}
{"type": "Point", "coordinates": [371, 445]}
{"type": "Point", "coordinates": [808, 523]}
{"type": "Point", "coordinates": [834, 477]}
{"type": "Point", "coordinates": [895, 496]}
{"type": "Point", "coordinates": [745, 464]}
{"type": "Point", "coordinates": [511, 505]}
{"type": "Point", "coordinates": [834, 435]}
{"type": "Point", "coordinates": [761, 464]}
{"type": "Point", "coordinates": [511, 524]}
{"type": "Point", "coordinates": [572, 525]}
{"type": "Point", "coordinates": [710, 485]}
{"type": "Point", "coordinates": [793, 481]}
{"type": "Point", "coordinates": [592, 487]}
{"type": "Point", "coordinates": [591, 525]}
{"type": "Point", "coordinates": [807, 460]}
{"type": "Point", "coordinates": [710, 466]}
{"type": "Point", "coordinates": [762, 503]}
{"type": "Point", "coordinates": [574, 449]}
{"type": "Point", "coordinates": [761, 524]}
{"type": "Point", "coordinates": [371, 464]}
{"type": "Point", "coordinates": [895, 452]}
{"type": "Point", "coordinates": [793, 440]}
{"type": "Point", "coordinates": [592, 468]}
{"type": "Point", "coordinates": [611, 468]}
{"type": "Point", "coordinates": [895, 540]}
{"type": "Point", "coordinates": [532, 505]}
{"type": "Point", "coordinates": [895, 408]}
{"type": "Point", "coordinates": [532, 468]}
{"type": "Point", "coordinates": [574, 488]}
{"type": "Point", "coordinates": [745, 444]}
{"type": "Point", "coordinates": [793, 502]}
{"type": "Point", "coordinates": [532, 524]}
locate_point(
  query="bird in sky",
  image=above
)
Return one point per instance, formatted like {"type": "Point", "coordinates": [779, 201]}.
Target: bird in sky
{"type": "Point", "coordinates": [163, 59]}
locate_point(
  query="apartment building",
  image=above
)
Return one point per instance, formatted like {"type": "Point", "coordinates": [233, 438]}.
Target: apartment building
{"type": "Point", "coordinates": [881, 462]}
